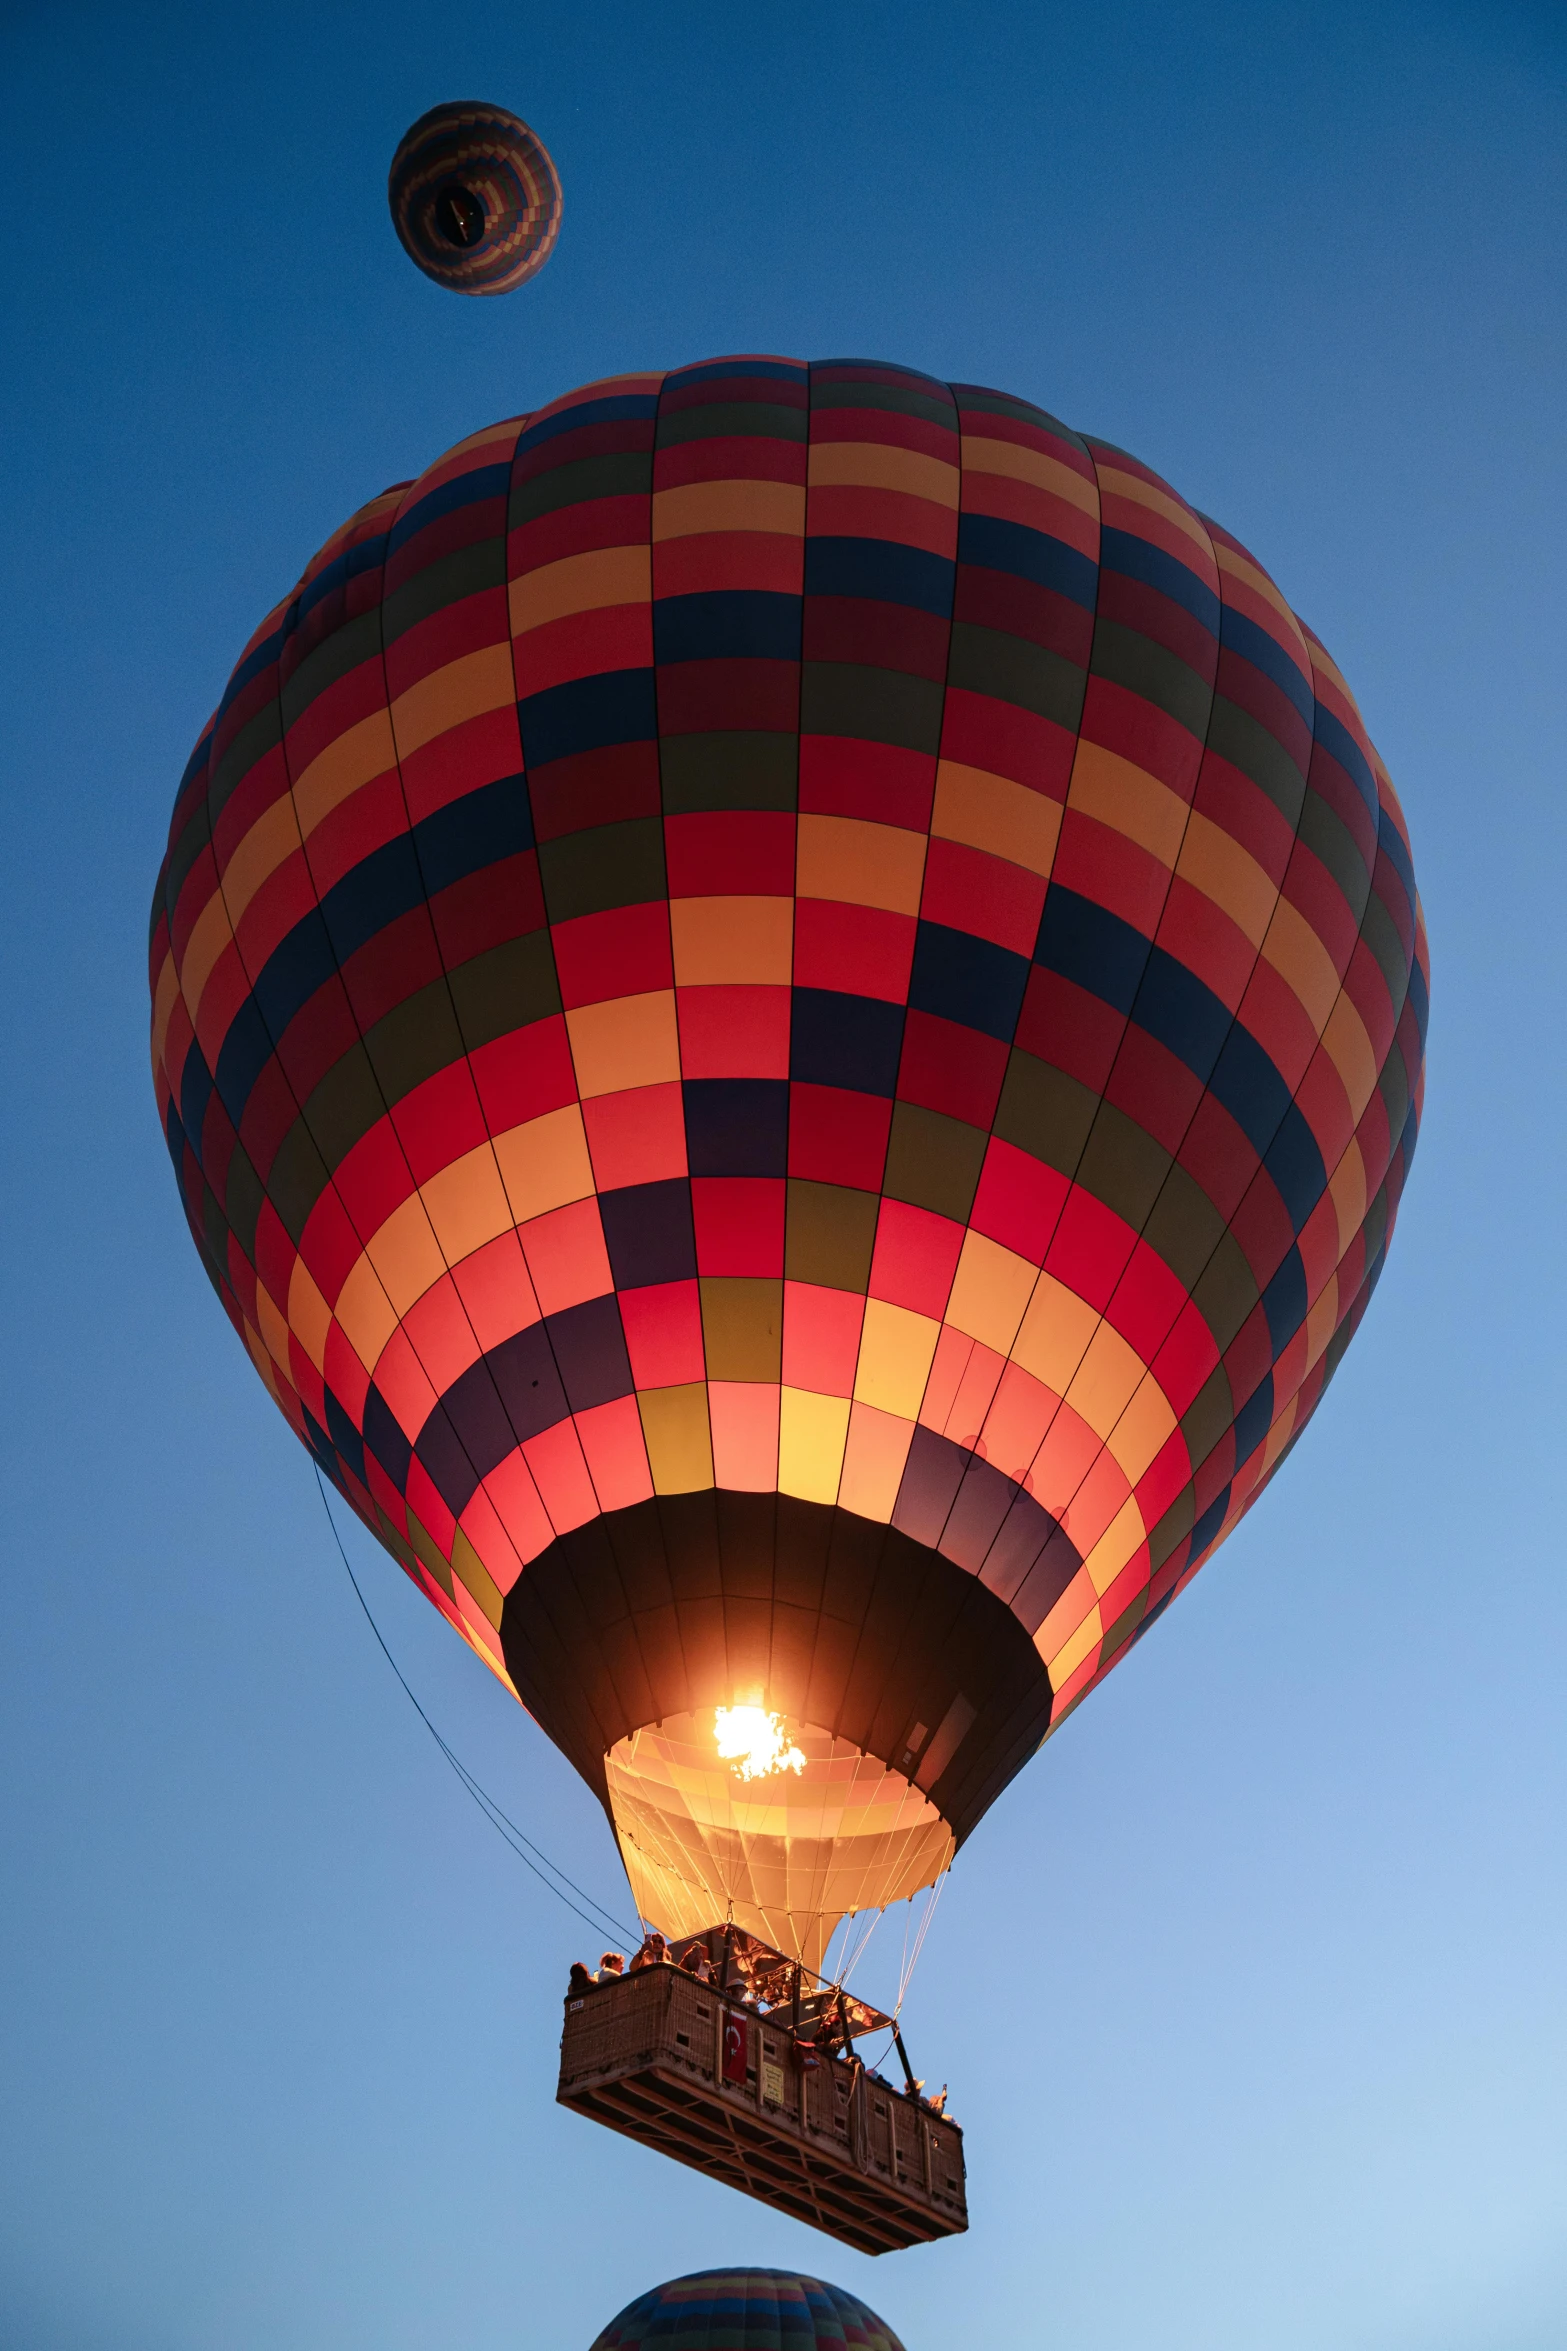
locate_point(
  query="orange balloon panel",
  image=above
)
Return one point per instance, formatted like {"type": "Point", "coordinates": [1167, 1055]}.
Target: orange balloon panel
{"type": "Point", "coordinates": [788, 1001]}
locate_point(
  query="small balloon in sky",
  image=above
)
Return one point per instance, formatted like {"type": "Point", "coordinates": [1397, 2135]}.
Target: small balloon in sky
{"type": "Point", "coordinates": [475, 198]}
{"type": "Point", "coordinates": [749, 2309]}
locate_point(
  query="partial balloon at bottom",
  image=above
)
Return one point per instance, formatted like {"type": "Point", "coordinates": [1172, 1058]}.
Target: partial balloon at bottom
{"type": "Point", "coordinates": [747, 2310]}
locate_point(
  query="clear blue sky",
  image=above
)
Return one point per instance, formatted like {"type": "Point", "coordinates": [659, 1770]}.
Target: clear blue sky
{"type": "Point", "coordinates": [1251, 1989]}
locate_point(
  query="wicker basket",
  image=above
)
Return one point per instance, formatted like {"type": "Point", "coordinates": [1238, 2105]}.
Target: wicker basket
{"type": "Point", "coordinates": [829, 2143]}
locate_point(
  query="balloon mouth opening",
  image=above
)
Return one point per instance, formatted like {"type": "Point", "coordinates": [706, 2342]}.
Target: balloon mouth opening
{"type": "Point", "coordinates": [752, 1740]}
{"type": "Point", "coordinates": [459, 217]}
{"type": "Point", "coordinates": [741, 1812]}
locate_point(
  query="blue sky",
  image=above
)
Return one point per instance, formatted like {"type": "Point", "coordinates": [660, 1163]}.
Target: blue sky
{"type": "Point", "coordinates": [1250, 1990]}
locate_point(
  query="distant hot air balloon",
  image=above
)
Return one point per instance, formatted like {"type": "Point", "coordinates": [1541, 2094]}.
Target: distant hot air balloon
{"type": "Point", "coordinates": [788, 1001]}
{"type": "Point", "coordinates": [475, 198]}
{"type": "Point", "coordinates": [747, 2310]}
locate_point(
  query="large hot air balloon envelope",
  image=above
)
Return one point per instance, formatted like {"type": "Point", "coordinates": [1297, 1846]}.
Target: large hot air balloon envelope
{"type": "Point", "coordinates": [747, 2310]}
{"type": "Point", "coordinates": [475, 198]}
{"type": "Point", "coordinates": [788, 1001]}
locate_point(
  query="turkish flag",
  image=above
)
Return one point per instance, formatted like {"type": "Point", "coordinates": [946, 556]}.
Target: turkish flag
{"type": "Point", "coordinates": [735, 2038]}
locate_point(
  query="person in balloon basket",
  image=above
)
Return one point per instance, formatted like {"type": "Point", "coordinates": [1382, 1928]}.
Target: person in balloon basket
{"type": "Point", "coordinates": [652, 1952]}
{"type": "Point", "coordinates": [815, 2041]}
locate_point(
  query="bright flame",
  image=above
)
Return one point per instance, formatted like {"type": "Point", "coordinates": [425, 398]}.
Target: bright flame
{"type": "Point", "coordinates": [755, 1742]}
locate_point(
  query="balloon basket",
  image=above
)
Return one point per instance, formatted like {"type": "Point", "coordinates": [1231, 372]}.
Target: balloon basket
{"type": "Point", "coordinates": [733, 2090]}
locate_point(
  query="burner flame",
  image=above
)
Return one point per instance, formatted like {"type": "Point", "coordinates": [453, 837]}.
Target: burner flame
{"type": "Point", "coordinates": [755, 1742]}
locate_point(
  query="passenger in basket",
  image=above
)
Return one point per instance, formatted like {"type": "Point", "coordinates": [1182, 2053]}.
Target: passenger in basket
{"type": "Point", "coordinates": [581, 1978]}
{"type": "Point", "coordinates": [938, 2104]}
{"type": "Point", "coordinates": [829, 2034]}
{"type": "Point", "coordinates": [611, 1968]}
{"type": "Point", "coordinates": [697, 1963]}
{"type": "Point", "coordinates": [653, 1952]}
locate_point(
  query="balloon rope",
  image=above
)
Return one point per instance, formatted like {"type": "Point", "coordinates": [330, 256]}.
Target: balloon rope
{"type": "Point", "coordinates": [912, 1958]}
{"type": "Point", "coordinates": [855, 1942]}
{"type": "Point", "coordinates": [500, 1821]}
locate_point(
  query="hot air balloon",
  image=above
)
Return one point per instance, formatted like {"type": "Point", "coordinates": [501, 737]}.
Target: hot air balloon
{"type": "Point", "coordinates": [789, 1006]}
{"type": "Point", "coordinates": [747, 2310]}
{"type": "Point", "coordinates": [475, 198]}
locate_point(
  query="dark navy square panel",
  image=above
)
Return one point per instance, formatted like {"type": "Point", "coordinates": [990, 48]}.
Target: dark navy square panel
{"type": "Point", "coordinates": [384, 1437]}
{"type": "Point", "coordinates": [1334, 736]}
{"type": "Point", "coordinates": [1139, 559]}
{"type": "Point", "coordinates": [528, 1380]}
{"type": "Point", "coordinates": [1294, 1160]}
{"type": "Point", "coordinates": [851, 1041]}
{"type": "Point", "coordinates": [1255, 1417]}
{"type": "Point", "coordinates": [446, 1452]}
{"type": "Point", "coordinates": [174, 1143]}
{"type": "Point", "coordinates": [479, 1413]}
{"type": "Point", "coordinates": [932, 1475]}
{"type": "Point", "coordinates": [994, 545]}
{"type": "Point", "coordinates": [615, 407]}
{"type": "Point", "coordinates": [242, 1056]}
{"type": "Point", "coordinates": [1284, 1302]}
{"type": "Point", "coordinates": [329, 581]}
{"type": "Point", "coordinates": [1026, 1535]}
{"type": "Point", "coordinates": [1087, 944]}
{"type": "Point", "coordinates": [978, 1513]}
{"type": "Point", "coordinates": [590, 1348]}
{"type": "Point", "coordinates": [345, 1436]}
{"type": "Point", "coordinates": [1207, 1527]}
{"type": "Point", "coordinates": [968, 980]}
{"type": "Point", "coordinates": [322, 1447]}
{"type": "Point", "coordinates": [463, 489]}
{"type": "Point", "coordinates": [1253, 643]}
{"type": "Point", "coordinates": [196, 1089]}
{"type": "Point", "coordinates": [480, 829]}
{"type": "Point", "coordinates": [372, 894]}
{"type": "Point", "coordinates": [1248, 1083]}
{"type": "Point", "coordinates": [647, 1229]}
{"type": "Point", "coordinates": [587, 714]}
{"type": "Point", "coordinates": [1185, 1015]}
{"type": "Point", "coordinates": [297, 966]}
{"type": "Point", "coordinates": [737, 1126]}
{"type": "Point", "coordinates": [730, 624]}
{"type": "Point", "coordinates": [881, 570]}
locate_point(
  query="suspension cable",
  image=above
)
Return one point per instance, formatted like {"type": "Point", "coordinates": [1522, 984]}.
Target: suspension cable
{"type": "Point", "coordinates": [530, 1855]}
